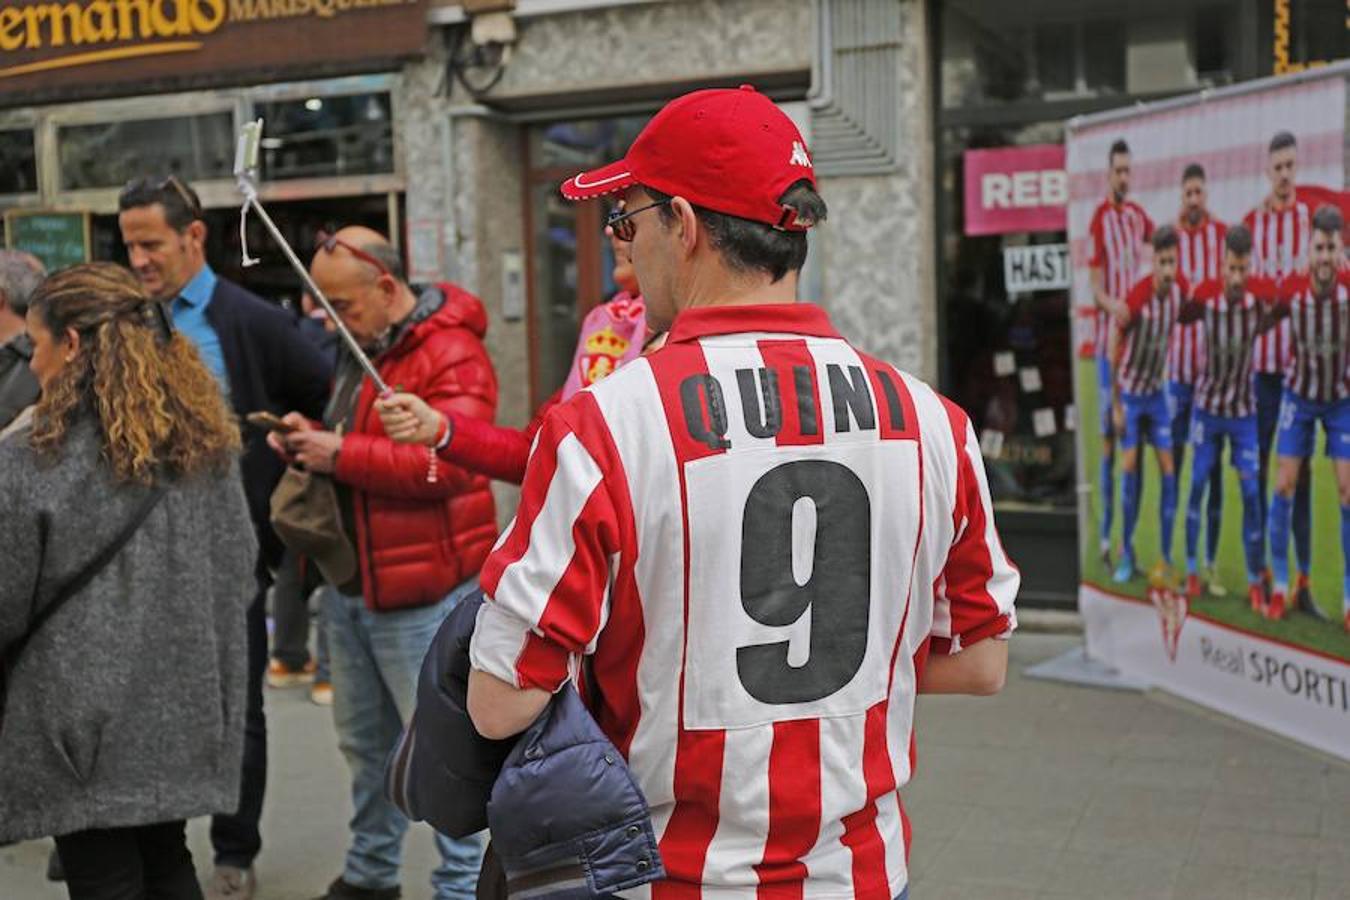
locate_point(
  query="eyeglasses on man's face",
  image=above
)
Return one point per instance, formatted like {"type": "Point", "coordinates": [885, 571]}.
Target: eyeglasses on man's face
{"type": "Point", "coordinates": [622, 222]}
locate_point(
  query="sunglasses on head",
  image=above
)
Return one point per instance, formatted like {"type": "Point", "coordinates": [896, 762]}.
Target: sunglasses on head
{"type": "Point", "coordinates": [170, 183]}
{"type": "Point", "coordinates": [330, 242]}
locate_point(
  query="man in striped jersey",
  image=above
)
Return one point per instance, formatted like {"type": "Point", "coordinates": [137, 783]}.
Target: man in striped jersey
{"type": "Point", "coordinates": [1229, 313]}
{"type": "Point", "coordinates": [1117, 234]}
{"type": "Point", "coordinates": [1151, 310]}
{"type": "Point", "coordinates": [1281, 228]}
{"type": "Point", "coordinates": [1316, 388]}
{"type": "Point", "coordinates": [1200, 249]}
{"type": "Point", "coordinates": [762, 541]}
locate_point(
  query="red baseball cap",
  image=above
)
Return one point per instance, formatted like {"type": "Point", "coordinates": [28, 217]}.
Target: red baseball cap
{"type": "Point", "coordinates": [728, 150]}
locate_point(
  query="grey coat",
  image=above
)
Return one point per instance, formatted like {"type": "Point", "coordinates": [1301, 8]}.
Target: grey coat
{"type": "Point", "coordinates": [127, 707]}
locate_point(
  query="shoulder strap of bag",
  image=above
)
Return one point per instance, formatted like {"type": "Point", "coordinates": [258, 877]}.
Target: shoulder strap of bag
{"type": "Point", "coordinates": [91, 568]}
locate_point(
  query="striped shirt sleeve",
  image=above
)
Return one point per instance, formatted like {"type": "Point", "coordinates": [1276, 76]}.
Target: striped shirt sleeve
{"type": "Point", "coordinates": [547, 581]}
{"type": "Point", "coordinates": [978, 584]}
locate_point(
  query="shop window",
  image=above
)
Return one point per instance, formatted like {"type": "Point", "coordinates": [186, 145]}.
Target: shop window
{"type": "Point", "coordinates": [109, 154]}
{"type": "Point", "coordinates": [18, 162]}
{"type": "Point", "coordinates": [1009, 354]}
{"type": "Point", "coordinates": [1055, 49]}
{"type": "Point", "coordinates": [324, 137]}
{"type": "Point", "coordinates": [1104, 56]}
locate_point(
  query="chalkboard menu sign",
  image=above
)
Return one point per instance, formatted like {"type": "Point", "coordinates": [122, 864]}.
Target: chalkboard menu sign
{"type": "Point", "coordinates": [59, 239]}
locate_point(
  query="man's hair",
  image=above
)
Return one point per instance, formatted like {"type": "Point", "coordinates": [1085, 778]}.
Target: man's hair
{"type": "Point", "coordinates": [747, 246]}
{"type": "Point", "coordinates": [1192, 170]}
{"type": "Point", "coordinates": [1117, 149]}
{"type": "Point", "coordinates": [1281, 140]}
{"type": "Point", "coordinates": [386, 254]}
{"type": "Point", "coordinates": [181, 204]}
{"type": "Point", "coordinates": [20, 275]}
{"type": "Point", "coordinates": [1164, 238]}
{"type": "Point", "coordinates": [1328, 220]}
{"type": "Point", "coordinates": [1239, 240]}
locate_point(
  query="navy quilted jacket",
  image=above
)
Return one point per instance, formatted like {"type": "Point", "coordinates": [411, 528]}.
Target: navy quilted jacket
{"type": "Point", "coordinates": [567, 819]}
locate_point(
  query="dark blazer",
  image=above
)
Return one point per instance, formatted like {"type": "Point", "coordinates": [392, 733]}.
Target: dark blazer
{"type": "Point", "coordinates": [272, 366]}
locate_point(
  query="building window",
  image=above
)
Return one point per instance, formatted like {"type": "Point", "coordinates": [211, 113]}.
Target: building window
{"type": "Point", "coordinates": [18, 162]}
{"type": "Point", "coordinates": [327, 136]}
{"type": "Point", "coordinates": [109, 154]}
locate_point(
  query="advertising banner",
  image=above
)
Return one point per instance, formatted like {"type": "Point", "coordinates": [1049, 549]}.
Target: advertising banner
{"type": "Point", "coordinates": [1212, 337]}
{"type": "Point", "coordinates": [1015, 189]}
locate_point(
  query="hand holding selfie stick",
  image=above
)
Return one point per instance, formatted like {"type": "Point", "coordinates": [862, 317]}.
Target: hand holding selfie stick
{"type": "Point", "coordinates": [245, 171]}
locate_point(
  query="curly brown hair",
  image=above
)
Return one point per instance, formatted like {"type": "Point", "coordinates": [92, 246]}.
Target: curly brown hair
{"type": "Point", "coordinates": [159, 408]}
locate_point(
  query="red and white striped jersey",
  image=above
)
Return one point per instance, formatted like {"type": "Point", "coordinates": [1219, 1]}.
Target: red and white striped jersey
{"type": "Point", "coordinates": [1319, 368]}
{"type": "Point", "coordinates": [1280, 241]}
{"type": "Point", "coordinates": [1199, 258]}
{"type": "Point", "coordinates": [1117, 234]}
{"type": "Point", "coordinates": [758, 534]}
{"type": "Point", "coordinates": [1144, 342]}
{"type": "Point", "coordinates": [1223, 386]}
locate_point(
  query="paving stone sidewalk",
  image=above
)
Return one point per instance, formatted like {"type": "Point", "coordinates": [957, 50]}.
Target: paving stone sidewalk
{"type": "Point", "coordinates": [1046, 791]}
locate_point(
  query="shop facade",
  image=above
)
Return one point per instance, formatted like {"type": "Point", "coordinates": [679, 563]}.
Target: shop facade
{"type": "Point", "coordinates": [454, 137]}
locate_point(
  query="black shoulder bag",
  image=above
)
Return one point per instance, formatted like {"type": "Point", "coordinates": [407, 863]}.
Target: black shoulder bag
{"type": "Point", "coordinates": [71, 588]}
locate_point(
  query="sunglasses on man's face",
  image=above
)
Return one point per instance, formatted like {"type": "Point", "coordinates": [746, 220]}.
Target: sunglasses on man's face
{"type": "Point", "coordinates": [330, 242]}
{"type": "Point", "coordinates": [622, 222]}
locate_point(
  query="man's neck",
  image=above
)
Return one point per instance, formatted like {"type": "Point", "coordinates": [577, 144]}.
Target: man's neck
{"type": "Point", "coordinates": [1162, 289]}
{"type": "Point", "coordinates": [1116, 199]}
{"type": "Point", "coordinates": [1322, 290]}
{"type": "Point", "coordinates": [178, 292]}
{"type": "Point", "coordinates": [716, 287]}
{"type": "Point", "coordinates": [1193, 218]}
{"type": "Point", "coordinates": [1276, 204]}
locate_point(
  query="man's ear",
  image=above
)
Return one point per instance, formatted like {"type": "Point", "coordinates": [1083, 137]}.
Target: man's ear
{"type": "Point", "coordinates": [686, 224]}
{"type": "Point", "coordinates": [196, 232]}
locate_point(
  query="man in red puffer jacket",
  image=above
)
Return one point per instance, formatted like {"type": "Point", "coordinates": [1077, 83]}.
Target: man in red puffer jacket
{"type": "Point", "coordinates": [421, 528]}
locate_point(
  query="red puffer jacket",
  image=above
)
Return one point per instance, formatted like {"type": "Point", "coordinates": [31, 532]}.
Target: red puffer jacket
{"type": "Point", "coordinates": [416, 537]}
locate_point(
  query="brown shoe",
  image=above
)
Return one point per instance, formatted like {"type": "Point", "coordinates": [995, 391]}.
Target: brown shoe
{"type": "Point", "coordinates": [342, 890]}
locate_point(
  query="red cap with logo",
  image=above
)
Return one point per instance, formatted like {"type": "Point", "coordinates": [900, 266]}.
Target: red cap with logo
{"type": "Point", "coordinates": [728, 150]}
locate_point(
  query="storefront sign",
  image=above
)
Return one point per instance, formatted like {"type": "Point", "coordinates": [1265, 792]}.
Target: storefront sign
{"type": "Point", "coordinates": [50, 44]}
{"type": "Point", "coordinates": [1012, 189]}
{"type": "Point", "coordinates": [1036, 267]}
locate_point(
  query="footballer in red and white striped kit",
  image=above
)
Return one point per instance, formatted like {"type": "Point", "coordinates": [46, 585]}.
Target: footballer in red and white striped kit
{"type": "Point", "coordinates": [1117, 234]}
{"type": "Point", "coordinates": [1317, 389]}
{"type": "Point", "coordinates": [1200, 255]}
{"type": "Point", "coordinates": [1230, 312]}
{"type": "Point", "coordinates": [1281, 230]}
{"type": "Point", "coordinates": [1151, 311]}
{"type": "Point", "coordinates": [764, 541]}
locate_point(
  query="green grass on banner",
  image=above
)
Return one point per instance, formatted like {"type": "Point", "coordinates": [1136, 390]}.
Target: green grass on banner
{"type": "Point", "coordinates": [1298, 629]}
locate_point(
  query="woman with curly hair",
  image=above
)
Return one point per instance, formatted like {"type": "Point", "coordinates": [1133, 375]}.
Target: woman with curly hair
{"type": "Point", "coordinates": [128, 568]}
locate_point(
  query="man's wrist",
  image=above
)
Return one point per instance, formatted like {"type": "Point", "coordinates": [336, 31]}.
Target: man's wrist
{"type": "Point", "coordinates": [443, 434]}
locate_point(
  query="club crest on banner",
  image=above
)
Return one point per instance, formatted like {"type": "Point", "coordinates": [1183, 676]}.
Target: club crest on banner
{"type": "Point", "coordinates": [1172, 606]}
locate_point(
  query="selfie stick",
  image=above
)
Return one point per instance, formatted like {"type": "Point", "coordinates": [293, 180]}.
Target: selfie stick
{"type": "Point", "coordinates": [245, 171]}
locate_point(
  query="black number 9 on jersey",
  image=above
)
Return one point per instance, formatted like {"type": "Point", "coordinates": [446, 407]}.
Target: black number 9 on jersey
{"type": "Point", "coordinates": [837, 594]}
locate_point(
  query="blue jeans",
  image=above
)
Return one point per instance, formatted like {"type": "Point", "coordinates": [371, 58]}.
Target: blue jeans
{"type": "Point", "coordinates": [376, 658]}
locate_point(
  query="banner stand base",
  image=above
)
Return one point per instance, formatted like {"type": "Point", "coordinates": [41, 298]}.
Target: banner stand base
{"type": "Point", "coordinates": [1074, 667]}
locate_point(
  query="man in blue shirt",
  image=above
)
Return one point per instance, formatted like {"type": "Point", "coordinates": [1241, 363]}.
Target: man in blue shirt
{"type": "Point", "coordinates": [263, 362]}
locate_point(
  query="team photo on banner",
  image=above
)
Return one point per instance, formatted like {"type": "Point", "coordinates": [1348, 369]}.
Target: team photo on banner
{"type": "Point", "coordinates": [1212, 338]}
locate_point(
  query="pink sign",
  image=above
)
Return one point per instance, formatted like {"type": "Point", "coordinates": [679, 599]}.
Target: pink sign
{"type": "Point", "coordinates": [1016, 189]}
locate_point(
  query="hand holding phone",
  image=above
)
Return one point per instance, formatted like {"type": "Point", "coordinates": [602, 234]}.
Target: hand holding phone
{"type": "Point", "coordinates": [270, 421]}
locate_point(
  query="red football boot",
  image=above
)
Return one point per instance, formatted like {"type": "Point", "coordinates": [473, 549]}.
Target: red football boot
{"type": "Point", "coordinates": [1256, 593]}
{"type": "Point", "coordinates": [1193, 586]}
{"type": "Point", "coordinates": [1275, 609]}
